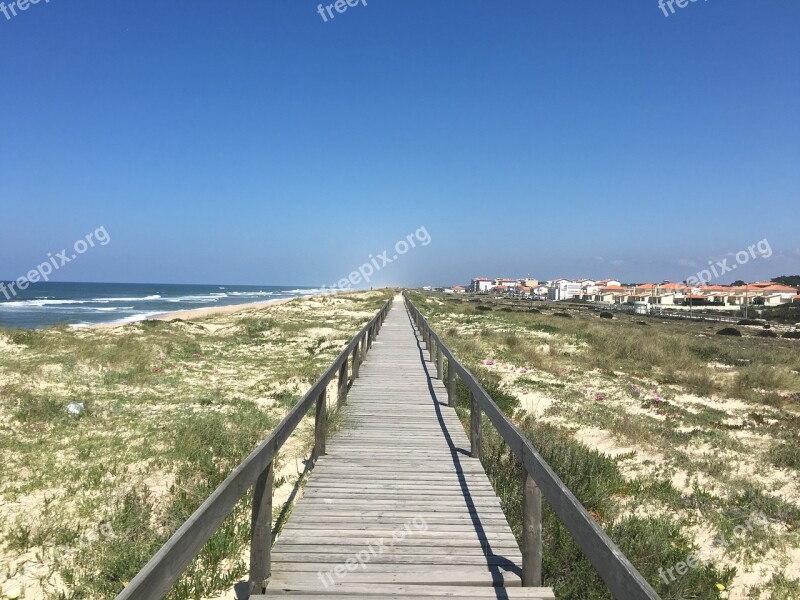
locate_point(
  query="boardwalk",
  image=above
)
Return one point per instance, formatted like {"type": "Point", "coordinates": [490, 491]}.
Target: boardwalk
{"type": "Point", "coordinates": [397, 508]}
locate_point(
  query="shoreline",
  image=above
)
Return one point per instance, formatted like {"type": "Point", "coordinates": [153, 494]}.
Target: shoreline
{"type": "Point", "coordinates": [195, 313]}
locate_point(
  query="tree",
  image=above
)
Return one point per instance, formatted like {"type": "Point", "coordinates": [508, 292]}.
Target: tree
{"type": "Point", "coordinates": [790, 280]}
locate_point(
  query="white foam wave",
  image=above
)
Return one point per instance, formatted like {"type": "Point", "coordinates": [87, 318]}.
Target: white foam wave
{"type": "Point", "coordinates": [126, 299]}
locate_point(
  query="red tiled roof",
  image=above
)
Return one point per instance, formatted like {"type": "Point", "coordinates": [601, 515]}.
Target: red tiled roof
{"type": "Point", "coordinates": [673, 286]}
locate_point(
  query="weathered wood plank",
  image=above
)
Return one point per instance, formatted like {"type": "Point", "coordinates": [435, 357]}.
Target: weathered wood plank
{"type": "Point", "coordinates": [399, 592]}
{"type": "Point", "coordinates": [403, 459]}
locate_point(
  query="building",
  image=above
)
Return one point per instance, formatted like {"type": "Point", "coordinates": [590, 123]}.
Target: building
{"type": "Point", "coordinates": [481, 285]}
{"type": "Point", "coordinates": [608, 282]}
{"type": "Point", "coordinates": [564, 289]}
{"type": "Point", "coordinates": [502, 282]}
{"type": "Point", "coordinates": [666, 293]}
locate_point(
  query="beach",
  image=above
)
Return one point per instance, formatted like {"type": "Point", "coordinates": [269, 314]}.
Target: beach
{"type": "Point", "coordinates": [199, 313]}
{"type": "Point", "coordinates": [47, 304]}
{"type": "Point", "coordinates": [112, 435]}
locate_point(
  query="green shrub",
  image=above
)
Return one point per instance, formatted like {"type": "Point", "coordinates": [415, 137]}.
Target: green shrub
{"type": "Point", "coordinates": [730, 331]}
{"type": "Point", "coordinates": [785, 455]}
{"type": "Point", "coordinates": [38, 409]}
{"type": "Point", "coordinates": [24, 337]}
{"type": "Point", "coordinates": [650, 543]}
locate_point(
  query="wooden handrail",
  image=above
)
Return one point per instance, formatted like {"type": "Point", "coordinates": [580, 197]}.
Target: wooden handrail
{"type": "Point", "coordinates": [622, 578]}
{"type": "Point", "coordinates": [165, 568]}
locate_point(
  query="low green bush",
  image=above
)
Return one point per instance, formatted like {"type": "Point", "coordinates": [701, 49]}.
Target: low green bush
{"type": "Point", "coordinates": [730, 331]}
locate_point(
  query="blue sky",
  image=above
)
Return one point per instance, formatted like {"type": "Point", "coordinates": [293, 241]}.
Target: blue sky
{"type": "Point", "coordinates": [251, 142]}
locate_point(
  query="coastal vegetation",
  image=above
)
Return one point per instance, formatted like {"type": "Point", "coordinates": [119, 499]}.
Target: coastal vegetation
{"type": "Point", "coordinates": [673, 437]}
{"type": "Point", "coordinates": [112, 437]}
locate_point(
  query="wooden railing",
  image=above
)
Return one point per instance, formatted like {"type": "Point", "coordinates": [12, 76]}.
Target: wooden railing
{"type": "Point", "coordinates": [621, 577]}
{"type": "Point", "coordinates": [165, 568]}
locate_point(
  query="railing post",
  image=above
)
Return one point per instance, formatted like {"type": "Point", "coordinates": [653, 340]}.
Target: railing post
{"type": "Point", "coordinates": [343, 381]}
{"type": "Point", "coordinates": [531, 533]}
{"type": "Point", "coordinates": [432, 348]}
{"type": "Point", "coordinates": [475, 426]}
{"type": "Point", "coordinates": [261, 532]}
{"type": "Point", "coordinates": [439, 363]}
{"type": "Point", "coordinates": [320, 424]}
{"type": "Point", "coordinates": [356, 360]}
{"type": "Point", "coordinates": [451, 384]}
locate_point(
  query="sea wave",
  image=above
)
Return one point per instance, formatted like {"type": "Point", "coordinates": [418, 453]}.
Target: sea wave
{"type": "Point", "coordinates": [41, 302]}
{"type": "Point", "coordinates": [248, 294]}
{"type": "Point", "coordinates": [126, 299]}
{"type": "Point", "coordinates": [38, 302]}
{"type": "Point", "coordinates": [197, 298]}
{"type": "Point", "coordinates": [104, 308]}
{"type": "Point", "coordinates": [139, 316]}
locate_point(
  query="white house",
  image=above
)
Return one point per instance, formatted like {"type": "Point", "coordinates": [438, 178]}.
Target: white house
{"type": "Point", "coordinates": [563, 289]}
{"type": "Point", "coordinates": [481, 284]}
{"type": "Point", "coordinates": [588, 287]}
{"type": "Point", "coordinates": [608, 283]}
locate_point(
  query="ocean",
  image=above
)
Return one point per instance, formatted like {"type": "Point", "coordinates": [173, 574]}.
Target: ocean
{"type": "Point", "coordinates": [47, 304]}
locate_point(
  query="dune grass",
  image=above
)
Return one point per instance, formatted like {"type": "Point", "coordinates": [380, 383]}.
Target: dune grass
{"type": "Point", "coordinates": [169, 409]}
{"type": "Point", "coordinates": [703, 428]}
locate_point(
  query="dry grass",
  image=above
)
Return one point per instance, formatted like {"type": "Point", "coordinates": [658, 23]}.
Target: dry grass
{"type": "Point", "coordinates": [705, 429]}
{"type": "Point", "coordinates": [169, 409]}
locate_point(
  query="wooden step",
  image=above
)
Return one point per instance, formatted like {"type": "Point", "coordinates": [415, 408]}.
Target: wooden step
{"type": "Point", "coordinates": [399, 592]}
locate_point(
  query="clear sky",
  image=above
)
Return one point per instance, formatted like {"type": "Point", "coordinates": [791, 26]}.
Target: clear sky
{"type": "Point", "coordinates": [250, 141]}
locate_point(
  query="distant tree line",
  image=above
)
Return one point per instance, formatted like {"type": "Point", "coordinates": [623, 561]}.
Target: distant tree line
{"type": "Point", "coordinates": [790, 280]}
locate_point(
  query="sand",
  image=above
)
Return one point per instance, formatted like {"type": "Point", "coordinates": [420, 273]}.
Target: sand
{"type": "Point", "coordinates": [198, 313]}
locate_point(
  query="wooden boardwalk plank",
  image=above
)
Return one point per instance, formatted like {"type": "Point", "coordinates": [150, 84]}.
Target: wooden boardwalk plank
{"type": "Point", "coordinates": [397, 507]}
